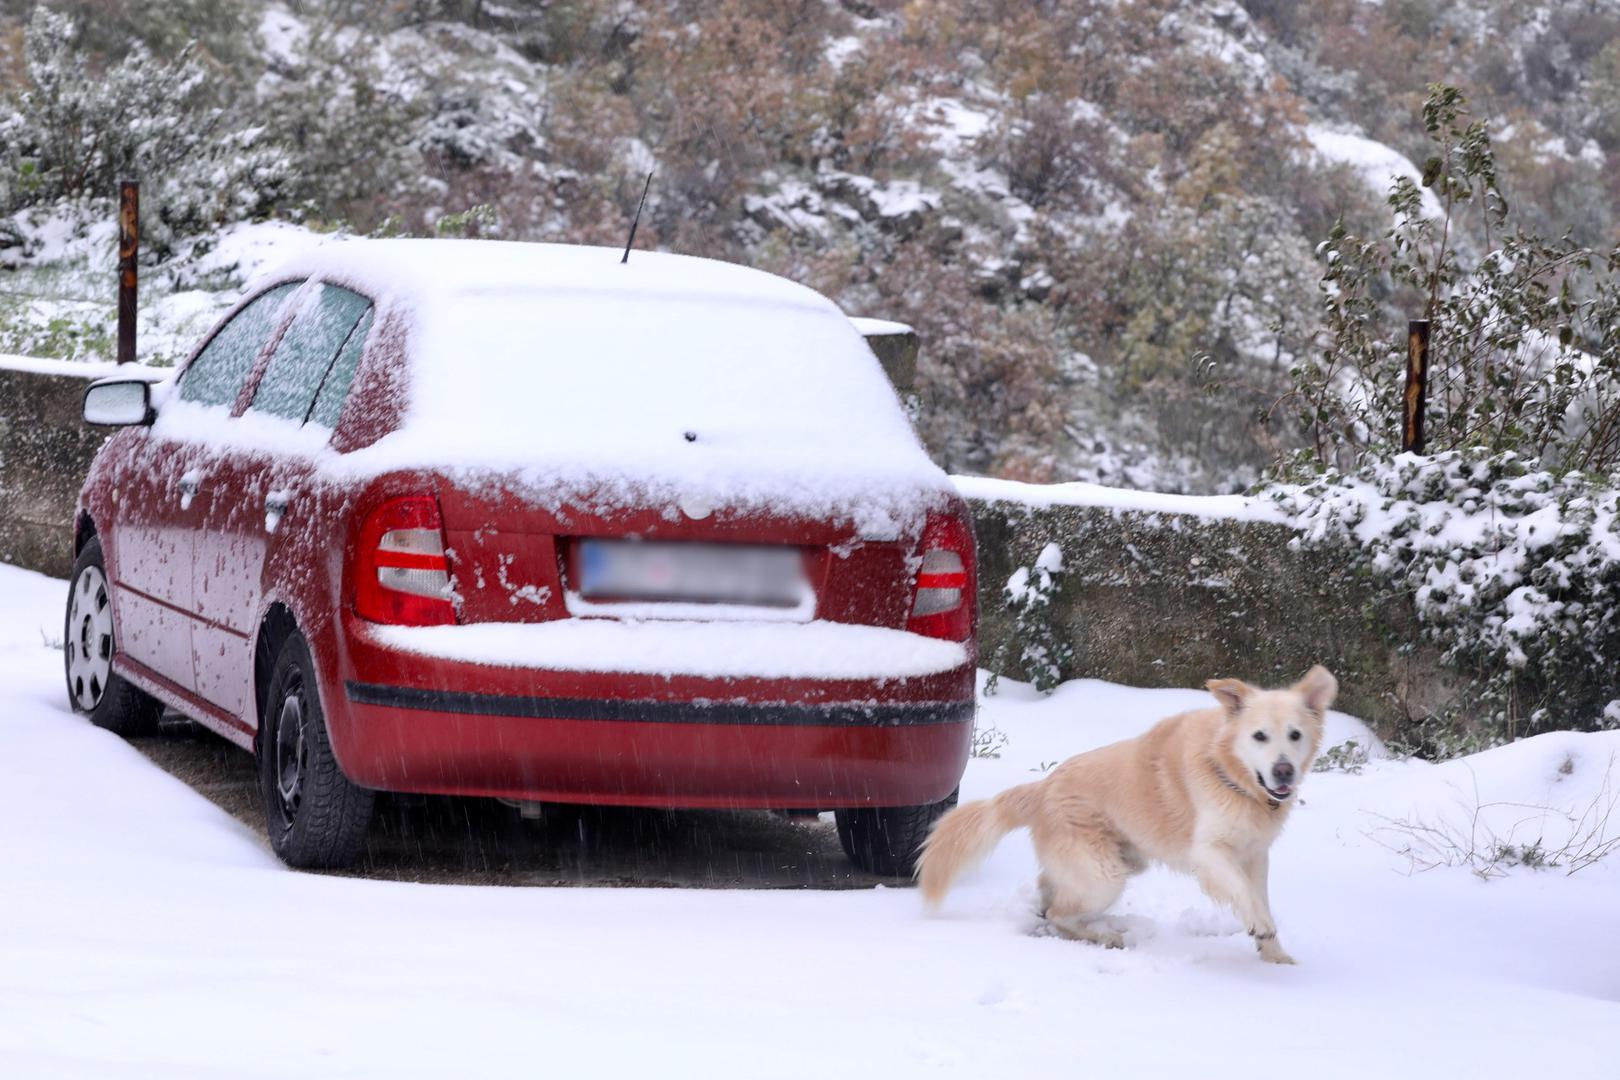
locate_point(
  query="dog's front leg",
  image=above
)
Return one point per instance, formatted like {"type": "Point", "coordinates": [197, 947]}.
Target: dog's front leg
{"type": "Point", "coordinates": [1257, 868]}
{"type": "Point", "coordinates": [1227, 880]}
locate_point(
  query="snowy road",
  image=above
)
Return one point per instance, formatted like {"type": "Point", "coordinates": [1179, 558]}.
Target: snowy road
{"type": "Point", "coordinates": [482, 842]}
{"type": "Point", "coordinates": [144, 932]}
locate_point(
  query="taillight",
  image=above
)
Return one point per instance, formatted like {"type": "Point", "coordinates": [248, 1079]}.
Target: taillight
{"type": "Point", "coordinates": [401, 573]}
{"type": "Point", "coordinates": [946, 595]}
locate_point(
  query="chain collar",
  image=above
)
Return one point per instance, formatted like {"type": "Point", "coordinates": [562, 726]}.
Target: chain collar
{"type": "Point", "coordinates": [1233, 784]}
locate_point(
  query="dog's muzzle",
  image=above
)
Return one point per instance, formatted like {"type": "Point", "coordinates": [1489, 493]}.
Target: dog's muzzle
{"type": "Point", "coordinates": [1282, 775]}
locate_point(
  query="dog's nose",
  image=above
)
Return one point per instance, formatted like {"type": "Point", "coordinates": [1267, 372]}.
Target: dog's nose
{"type": "Point", "coordinates": [1283, 771]}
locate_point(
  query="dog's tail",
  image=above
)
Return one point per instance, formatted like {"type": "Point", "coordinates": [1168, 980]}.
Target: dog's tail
{"type": "Point", "coordinates": [963, 837]}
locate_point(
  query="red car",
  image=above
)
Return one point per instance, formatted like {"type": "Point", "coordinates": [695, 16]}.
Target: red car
{"type": "Point", "coordinates": [524, 521]}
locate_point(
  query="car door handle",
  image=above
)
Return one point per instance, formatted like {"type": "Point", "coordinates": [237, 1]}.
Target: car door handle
{"type": "Point", "coordinates": [275, 508]}
{"type": "Point", "coordinates": [190, 483]}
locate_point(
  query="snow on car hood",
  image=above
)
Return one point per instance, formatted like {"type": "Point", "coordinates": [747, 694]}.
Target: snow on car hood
{"type": "Point", "coordinates": [667, 380]}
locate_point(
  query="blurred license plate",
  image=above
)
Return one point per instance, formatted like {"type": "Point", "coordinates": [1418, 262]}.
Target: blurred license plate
{"type": "Point", "coordinates": [693, 573]}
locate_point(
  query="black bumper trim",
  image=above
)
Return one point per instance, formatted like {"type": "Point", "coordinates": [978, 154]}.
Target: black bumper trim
{"type": "Point", "coordinates": [662, 712]}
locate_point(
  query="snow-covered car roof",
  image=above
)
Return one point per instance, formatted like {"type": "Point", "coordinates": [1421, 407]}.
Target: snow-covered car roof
{"type": "Point", "coordinates": [476, 266]}
{"type": "Point", "coordinates": [651, 380]}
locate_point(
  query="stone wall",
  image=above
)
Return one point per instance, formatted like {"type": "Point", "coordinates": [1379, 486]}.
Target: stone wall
{"type": "Point", "coordinates": [1154, 598]}
{"type": "Point", "coordinates": [45, 450]}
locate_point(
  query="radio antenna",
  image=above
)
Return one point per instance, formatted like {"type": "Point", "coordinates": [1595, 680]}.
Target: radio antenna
{"type": "Point", "coordinates": [637, 219]}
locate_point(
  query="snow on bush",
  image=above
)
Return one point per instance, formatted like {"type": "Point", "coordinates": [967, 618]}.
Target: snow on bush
{"type": "Point", "coordinates": [1504, 540]}
{"type": "Point", "coordinates": [1523, 353]}
{"type": "Point", "coordinates": [1045, 654]}
{"type": "Point", "coordinates": [1514, 572]}
{"type": "Point", "coordinates": [71, 134]}
{"type": "Point", "coordinates": [73, 126]}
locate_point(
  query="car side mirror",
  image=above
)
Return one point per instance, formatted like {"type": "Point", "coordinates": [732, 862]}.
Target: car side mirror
{"type": "Point", "coordinates": [119, 403]}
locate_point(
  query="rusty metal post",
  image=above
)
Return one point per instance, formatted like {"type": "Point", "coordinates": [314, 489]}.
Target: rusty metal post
{"type": "Point", "coordinates": [129, 246]}
{"type": "Point", "coordinates": [1417, 385]}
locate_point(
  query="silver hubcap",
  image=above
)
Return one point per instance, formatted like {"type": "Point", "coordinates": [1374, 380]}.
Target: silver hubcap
{"type": "Point", "coordinates": [89, 641]}
{"type": "Point", "coordinates": [290, 754]}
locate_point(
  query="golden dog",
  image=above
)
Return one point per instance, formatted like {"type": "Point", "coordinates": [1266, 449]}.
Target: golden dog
{"type": "Point", "coordinates": [1204, 792]}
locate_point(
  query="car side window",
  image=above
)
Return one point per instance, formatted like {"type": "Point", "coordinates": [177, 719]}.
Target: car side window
{"type": "Point", "coordinates": [307, 351]}
{"type": "Point", "coordinates": [215, 377]}
{"type": "Point", "coordinates": [333, 392]}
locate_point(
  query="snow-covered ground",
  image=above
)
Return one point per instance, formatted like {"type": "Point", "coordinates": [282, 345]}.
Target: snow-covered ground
{"type": "Point", "coordinates": [145, 933]}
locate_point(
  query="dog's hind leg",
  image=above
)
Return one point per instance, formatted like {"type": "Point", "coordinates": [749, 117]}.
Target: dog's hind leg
{"type": "Point", "coordinates": [1076, 912]}
{"type": "Point", "coordinates": [1078, 884]}
{"type": "Point", "coordinates": [1088, 929]}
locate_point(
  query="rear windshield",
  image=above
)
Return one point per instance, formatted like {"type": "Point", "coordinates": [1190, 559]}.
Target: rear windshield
{"type": "Point", "coordinates": [651, 385]}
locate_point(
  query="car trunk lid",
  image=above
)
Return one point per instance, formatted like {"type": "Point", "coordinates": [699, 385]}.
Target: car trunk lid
{"type": "Point", "coordinates": [517, 559]}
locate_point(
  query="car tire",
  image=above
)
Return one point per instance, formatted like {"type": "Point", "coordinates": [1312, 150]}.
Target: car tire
{"type": "Point", "coordinates": [89, 643]}
{"type": "Point", "coordinates": [885, 840]}
{"type": "Point", "coordinates": [315, 817]}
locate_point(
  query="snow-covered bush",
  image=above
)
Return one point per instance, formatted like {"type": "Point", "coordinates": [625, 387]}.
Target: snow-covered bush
{"type": "Point", "coordinates": [1044, 653]}
{"type": "Point", "coordinates": [1525, 339]}
{"type": "Point", "coordinates": [63, 334]}
{"type": "Point", "coordinates": [1347, 757]}
{"type": "Point", "coordinates": [1505, 539]}
{"type": "Point", "coordinates": [1514, 572]}
{"type": "Point", "coordinates": [71, 133]}
{"type": "Point", "coordinates": [355, 109]}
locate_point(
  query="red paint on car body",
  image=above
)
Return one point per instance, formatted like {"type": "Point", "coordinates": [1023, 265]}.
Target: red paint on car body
{"type": "Point", "coordinates": [203, 541]}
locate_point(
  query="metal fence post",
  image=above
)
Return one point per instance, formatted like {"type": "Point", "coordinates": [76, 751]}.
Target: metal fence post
{"type": "Point", "coordinates": [129, 244]}
{"type": "Point", "coordinates": [1417, 385]}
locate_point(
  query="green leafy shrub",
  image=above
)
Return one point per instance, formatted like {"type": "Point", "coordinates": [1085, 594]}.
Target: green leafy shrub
{"type": "Point", "coordinates": [1347, 757]}
{"type": "Point", "coordinates": [1045, 655]}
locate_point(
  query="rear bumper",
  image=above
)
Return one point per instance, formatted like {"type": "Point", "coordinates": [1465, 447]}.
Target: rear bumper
{"type": "Point", "coordinates": [406, 722]}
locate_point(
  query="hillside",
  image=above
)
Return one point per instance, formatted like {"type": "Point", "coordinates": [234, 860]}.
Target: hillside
{"type": "Point", "coordinates": [1102, 216]}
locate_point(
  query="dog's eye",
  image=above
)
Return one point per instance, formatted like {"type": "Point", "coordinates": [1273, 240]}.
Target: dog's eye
{"type": "Point", "coordinates": [1260, 736]}
{"type": "Point", "coordinates": [1293, 736]}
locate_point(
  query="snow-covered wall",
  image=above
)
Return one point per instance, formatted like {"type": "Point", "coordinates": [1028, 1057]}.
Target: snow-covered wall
{"type": "Point", "coordinates": [45, 450]}
{"type": "Point", "coordinates": [1157, 590]}
{"type": "Point", "coordinates": [1162, 590]}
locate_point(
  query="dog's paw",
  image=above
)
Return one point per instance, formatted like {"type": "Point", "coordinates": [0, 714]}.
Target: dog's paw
{"type": "Point", "coordinates": [1273, 953]}
{"type": "Point", "coordinates": [1109, 939]}
{"type": "Point", "coordinates": [1089, 931]}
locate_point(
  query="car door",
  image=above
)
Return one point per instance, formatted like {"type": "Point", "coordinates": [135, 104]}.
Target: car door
{"type": "Point", "coordinates": [154, 531]}
{"type": "Point", "coordinates": [254, 491]}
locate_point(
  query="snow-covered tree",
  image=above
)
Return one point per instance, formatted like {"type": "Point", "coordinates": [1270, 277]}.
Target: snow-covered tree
{"type": "Point", "coordinates": [71, 133]}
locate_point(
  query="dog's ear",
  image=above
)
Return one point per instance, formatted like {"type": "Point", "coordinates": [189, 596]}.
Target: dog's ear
{"type": "Point", "coordinates": [1318, 688]}
{"type": "Point", "coordinates": [1231, 693]}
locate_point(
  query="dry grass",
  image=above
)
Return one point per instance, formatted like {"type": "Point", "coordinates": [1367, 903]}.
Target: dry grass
{"type": "Point", "coordinates": [1545, 838]}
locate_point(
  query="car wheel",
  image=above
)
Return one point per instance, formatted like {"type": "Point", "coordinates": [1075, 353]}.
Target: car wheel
{"type": "Point", "coordinates": [89, 644]}
{"type": "Point", "coordinates": [884, 840]}
{"type": "Point", "coordinates": [316, 818]}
